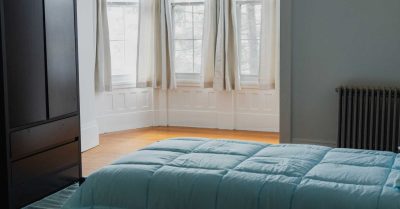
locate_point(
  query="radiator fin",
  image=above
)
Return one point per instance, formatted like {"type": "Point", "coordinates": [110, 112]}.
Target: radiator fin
{"type": "Point", "coordinates": [369, 118]}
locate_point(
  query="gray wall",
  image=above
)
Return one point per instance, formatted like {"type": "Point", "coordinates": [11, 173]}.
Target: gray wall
{"type": "Point", "coordinates": [333, 43]}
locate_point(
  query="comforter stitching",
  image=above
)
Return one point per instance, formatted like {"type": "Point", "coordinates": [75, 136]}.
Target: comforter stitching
{"type": "Point", "coordinates": [303, 177]}
{"type": "Point", "coordinates": [148, 183]}
{"type": "Point", "coordinates": [227, 171]}
{"type": "Point", "coordinates": [383, 186]}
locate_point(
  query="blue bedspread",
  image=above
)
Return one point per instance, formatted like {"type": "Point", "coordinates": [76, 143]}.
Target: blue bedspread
{"type": "Point", "coordinates": [197, 173]}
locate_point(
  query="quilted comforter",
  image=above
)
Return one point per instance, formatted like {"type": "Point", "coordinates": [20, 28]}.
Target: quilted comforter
{"type": "Point", "coordinates": [197, 173]}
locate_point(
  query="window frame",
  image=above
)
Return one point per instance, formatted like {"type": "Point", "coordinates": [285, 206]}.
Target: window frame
{"type": "Point", "coordinates": [247, 81]}
{"type": "Point", "coordinates": [187, 79]}
{"type": "Point", "coordinates": [126, 80]}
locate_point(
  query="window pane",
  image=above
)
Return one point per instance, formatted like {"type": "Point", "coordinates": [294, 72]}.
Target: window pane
{"type": "Point", "coordinates": [183, 56]}
{"type": "Point", "coordinates": [186, 1]}
{"type": "Point", "coordinates": [123, 21]}
{"type": "Point", "coordinates": [130, 57]}
{"type": "Point", "coordinates": [197, 56]}
{"type": "Point", "coordinates": [198, 21]}
{"type": "Point", "coordinates": [249, 23]}
{"type": "Point", "coordinates": [131, 22]}
{"type": "Point", "coordinates": [250, 18]}
{"type": "Point", "coordinates": [117, 56]}
{"type": "Point", "coordinates": [131, 38]}
{"type": "Point", "coordinates": [249, 57]}
{"type": "Point", "coordinates": [123, 1]}
{"type": "Point", "coordinates": [183, 22]}
{"type": "Point", "coordinates": [116, 22]}
{"type": "Point", "coordinates": [188, 20]}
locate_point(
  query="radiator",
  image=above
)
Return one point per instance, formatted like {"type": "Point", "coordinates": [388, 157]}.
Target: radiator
{"type": "Point", "coordinates": [369, 118]}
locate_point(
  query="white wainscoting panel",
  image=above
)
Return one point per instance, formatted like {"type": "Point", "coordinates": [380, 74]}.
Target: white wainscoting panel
{"type": "Point", "coordinates": [242, 110]}
{"type": "Point", "coordinates": [124, 109]}
{"type": "Point", "coordinates": [189, 107]}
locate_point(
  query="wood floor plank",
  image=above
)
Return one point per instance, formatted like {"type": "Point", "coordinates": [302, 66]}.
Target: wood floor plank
{"type": "Point", "coordinates": [115, 145]}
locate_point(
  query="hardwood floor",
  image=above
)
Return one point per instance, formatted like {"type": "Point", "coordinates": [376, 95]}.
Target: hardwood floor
{"type": "Point", "coordinates": [114, 145]}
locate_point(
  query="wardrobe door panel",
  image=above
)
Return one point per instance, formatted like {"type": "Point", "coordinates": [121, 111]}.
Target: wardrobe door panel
{"type": "Point", "coordinates": [25, 59]}
{"type": "Point", "coordinates": [61, 59]}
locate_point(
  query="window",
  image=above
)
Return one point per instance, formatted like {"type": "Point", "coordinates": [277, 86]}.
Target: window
{"type": "Point", "coordinates": [248, 19]}
{"type": "Point", "coordinates": [123, 21]}
{"type": "Point", "coordinates": [187, 23]}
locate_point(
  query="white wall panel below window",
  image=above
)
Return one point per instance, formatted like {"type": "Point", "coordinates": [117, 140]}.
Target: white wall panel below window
{"type": "Point", "coordinates": [190, 107]}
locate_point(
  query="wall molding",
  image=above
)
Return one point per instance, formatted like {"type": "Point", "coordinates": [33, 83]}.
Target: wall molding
{"type": "Point", "coordinates": [192, 118]}
{"type": "Point", "coordinates": [221, 120]}
{"type": "Point", "coordinates": [125, 121]}
{"type": "Point", "coordinates": [253, 110]}
{"type": "Point", "coordinates": [257, 122]}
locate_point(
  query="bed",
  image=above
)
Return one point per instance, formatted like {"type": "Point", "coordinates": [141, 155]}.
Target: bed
{"type": "Point", "coordinates": [199, 173]}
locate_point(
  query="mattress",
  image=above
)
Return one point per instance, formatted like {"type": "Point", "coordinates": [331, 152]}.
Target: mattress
{"type": "Point", "coordinates": [198, 173]}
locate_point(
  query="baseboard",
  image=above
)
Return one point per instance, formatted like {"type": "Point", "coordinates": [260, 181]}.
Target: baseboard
{"type": "Point", "coordinates": [89, 136]}
{"type": "Point", "coordinates": [160, 117]}
{"type": "Point", "coordinates": [257, 122]}
{"type": "Point", "coordinates": [125, 121]}
{"type": "Point", "coordinates": [328, 143]}
{"type": "Point", "coordinates": [225, 120]}
{"type": "Point", "coordinates": [221, 120]}
{"type": "Point", "coordinates": [188, 107]}
{"type": "Point", "coordinates": [190, 118]}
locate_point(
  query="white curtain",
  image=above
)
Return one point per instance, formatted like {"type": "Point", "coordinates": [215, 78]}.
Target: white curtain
{"type": "Point", "coordinates": [148, 54]}
{"type": "Point", "coordinates": [168, 77]}
{"type": "Point", "coordinates": [220, 53]}
{"type": "Point", "coordinates": [269, 44]}
{"type": "Point", "coordinates": [103, 76]}
{"type": "Point", "coordinates": [227, 55]}
{"type": "Point", "coordinates": [226, 75]}
{"type": "Point", "coordinates": [209, 42]}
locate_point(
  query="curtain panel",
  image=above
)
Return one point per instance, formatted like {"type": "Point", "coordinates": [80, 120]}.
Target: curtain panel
{"type": "Point", "coordinates": [103, 77]}
{"type": "Point", "coordinates": [227, 55]}
{"type": "Point", "coordinates": [209, 47]}
{"type": "Point", "coordinates": [155, 67]}
{"type": "Point", "coordinates": [149, 66]}
{"type": "Point", "coordinates": [148, 51]}
{"type": "Point", "coordinates": [269, 49]}
{"type": "Point", "coordinates": [226, 75]}
{"type": "Point", "coordinates": [168, 76]}
{"type": "Point", "coordinates": [220, 63]}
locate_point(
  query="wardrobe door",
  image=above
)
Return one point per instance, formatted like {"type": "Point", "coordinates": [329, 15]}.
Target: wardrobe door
{"type": "Point", "coordinates": [61, 57]}
{"type": "Point", "coordinates": [25, 60]}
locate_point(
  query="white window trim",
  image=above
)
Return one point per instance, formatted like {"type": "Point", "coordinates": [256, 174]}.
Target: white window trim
{"type": "Point", "coordinates": [125, 80]}
{"type": "Point", "coordinates": [247, 81]}
{"type": "Point", "coordinates": [186, 79]}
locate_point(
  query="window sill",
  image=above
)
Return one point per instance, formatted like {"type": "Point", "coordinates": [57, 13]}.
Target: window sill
{"type": "Point", "coordinates": [123, 82]}
{"type": "Point", "coordinates": [188, 83]}
{"type": "Point", "coordinates": [188, 80]}
{"type": "Point", "coordinates": [249, 85]}
{"type": "Point", "coordinates": [123, 85]}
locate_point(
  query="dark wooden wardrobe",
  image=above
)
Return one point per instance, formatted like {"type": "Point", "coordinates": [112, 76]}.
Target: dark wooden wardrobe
{"type": "Point", "coordinates": [39, 100]}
